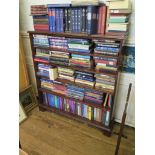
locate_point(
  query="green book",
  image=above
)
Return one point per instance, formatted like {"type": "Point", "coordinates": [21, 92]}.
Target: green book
{"type": "Point", "coordinates": [117, 20]}
{"type": "Point", "coordinates": [56, 101]}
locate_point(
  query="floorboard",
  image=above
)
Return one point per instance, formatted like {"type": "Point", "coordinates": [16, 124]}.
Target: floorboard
{"type": "Point", "coordinates": [45, 133]}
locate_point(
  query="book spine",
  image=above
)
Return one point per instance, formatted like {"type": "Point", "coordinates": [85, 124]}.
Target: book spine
{"type": "Point", "coordinates": [79, 19]}
{"type": "Point", "coordinates": [104, 16]}
{"type": "Point", "coordinates": [57, 19]}
{"type": "Point", "coordinates": [61, 20]}
{"type": "Point", "coordinates": [72, 20]}
{"type": "Point", "coordinates": [99, 20]}
{"type": "Point", "coordinates": [91, 19]}
{"type": "Point", "coordinates": [76, 19]}
{"type": "Point", "coordinates": [53, 19]}
{"type": "Point", "coordinates": [50, 19]}
{"type": "Point", "coordinates": [69, 20]}
{"type": "Point", "coordinates": [83, 29]}
{"type": "Point", "coordinates": [66, 20]}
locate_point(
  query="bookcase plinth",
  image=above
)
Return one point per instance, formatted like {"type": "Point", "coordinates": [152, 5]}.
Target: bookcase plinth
{"type": "Point", "coordinates": [107, 130]}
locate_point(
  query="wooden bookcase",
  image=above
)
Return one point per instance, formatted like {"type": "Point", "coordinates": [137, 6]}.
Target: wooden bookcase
{"type": "Point", "coordinates": [106, 129]}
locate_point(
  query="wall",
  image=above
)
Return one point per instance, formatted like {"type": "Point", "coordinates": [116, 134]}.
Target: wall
{"type": "Point", "coordinates": [26, 24]}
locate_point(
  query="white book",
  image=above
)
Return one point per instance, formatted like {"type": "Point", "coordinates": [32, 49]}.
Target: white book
{"type": "Point", "coordinates": [125, 4]}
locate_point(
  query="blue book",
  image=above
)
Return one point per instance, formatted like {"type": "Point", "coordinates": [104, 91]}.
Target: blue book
{"type": "Point", "coordinates": [79, 22]}
{"type": "Point", "coordinates": [79, 50]}
{"type": "Point", "coordinates": [81, 56]}
{"type": "Point", "coordinates": [50, 19]}
{"type": "Point", "coordinates": [85, 111]}
{"type": "Point", "coordinates": [53, 19]}
{"type": "Point", "coordinates": [91, 19]}
{"type": "Point", "coordinates": [107, 119]}
{"type": "Point", "coordinates": [58, 5]}
{"type": "Point", "coordinates": [76, 19]}
{"type": "Point", "coordinates": [72, 20]}
{"type": "Point", "coordinates": [57, 20]}
{"type": "Point", "coordinates": [61, 17]}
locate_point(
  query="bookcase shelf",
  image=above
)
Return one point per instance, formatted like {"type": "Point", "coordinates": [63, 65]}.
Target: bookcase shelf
{"type": "Point", "coordinates": [105, 71]}
{"type": "Point", "coordinates": [76, 100]}
{"type": "Point", "coordinates": [79, 85]}
{"type": "Point", "coordinates": [105, 129]}
{"type": "Point", "coordinates": [72, 52]}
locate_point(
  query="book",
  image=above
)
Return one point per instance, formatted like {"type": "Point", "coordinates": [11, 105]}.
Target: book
{"type": "Point", "coordinates": [102, 19]}
{"type": "Point", "coordinates": [61, 18]}
{"type": "Point", "coordinates": [66, 20]}
{"type": "Point", "coordinates": [91, 19]}
{"type": "Point", "coordinates": [105, 101]}
{"type": "Point", "coordinates": [53, 73]}
{"type": "Point", "coordinates": [58, 5]}
{"type": "Point", "coordinates": [125, 4]}
{"type": "Point", "coordinates": [83, 29]}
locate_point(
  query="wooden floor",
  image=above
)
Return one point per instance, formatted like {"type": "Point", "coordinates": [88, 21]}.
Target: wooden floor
{"type": "Point", "coordinates": [45, 133]}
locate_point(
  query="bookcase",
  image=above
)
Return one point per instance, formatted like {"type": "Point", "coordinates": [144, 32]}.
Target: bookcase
{"type": "Point", "coordinates": [107, 129]}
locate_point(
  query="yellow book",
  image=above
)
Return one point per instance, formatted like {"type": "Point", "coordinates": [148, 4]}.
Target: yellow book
{"type": "Point", "coordinates": [106, 98]}
{"type": "Point", "coordinates": [89, 112]}
{"type": "Point", "coordinates": [53, 73]}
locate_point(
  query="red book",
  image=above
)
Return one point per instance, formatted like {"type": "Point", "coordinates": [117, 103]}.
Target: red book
{"type": "Point", "coordinates": [103, 23]}
{"type": "Point", "coordinates": [99, 20]}
{"type": "Point", "coordinates": [41, 60]}
{"type": "Point", "coordinates": [106, 62]}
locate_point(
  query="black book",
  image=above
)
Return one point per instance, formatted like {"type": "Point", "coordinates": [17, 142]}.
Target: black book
{"type": "Point", "coordinates": [91, 19]}
{"type": "Point", "coordinates": [83, 29]}
{"type": "Point", "coordinates": [66, 20]}
{"type": "Point", "coordinates": [69, 19]}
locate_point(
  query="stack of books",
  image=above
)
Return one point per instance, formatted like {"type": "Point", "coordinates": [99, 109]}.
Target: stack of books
{"type": "Point", "coordinates": [80, 61]}
{"type": "Point", "coordinates": [65, 73]}
{"type": "Point", "coordinates": [47, 71]}
{"type": "Point", "coordinates": [107, 47]}
{"type": "Point", "coordinates": [42, 54]}
{"type": "Point", "coordinates": [84, 78]}
{"type": "Point", "coordinates": [59, 57]}
{"type": "Point", "coordinates": [75, 92]}
{"type": "Point", "coordinates": [79, 45]}
{"type": "Point", "coordinates": [38, 10]}
{"type": "Point", "coordinates": [46, 84]}
{"type": "Point", "coordinates": [57, 22]}
{"type": "Point", "coordinates": [119, 12]}
{"type": "Point", "coordinates": [59, 43]}
{"type": "Point", "coordinates": [40, 17]}
{"type": "Point", "coordinates": [105, 81]}
{"type": "Point", "coordinates": [40, 40]}
{"type": "Point", "coordinates": [90, 19]}
{"type": "Point", "coordinates": [59, 87]}
{"type": "Point", "coordinates": [93, 96]}
{"type": "Point", "coordinates": [104, 63]}
{"type": "Point", "coordinates": [43, 70]}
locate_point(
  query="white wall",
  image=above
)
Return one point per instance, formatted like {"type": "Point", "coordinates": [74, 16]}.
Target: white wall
{"type": "Point", "coordinates": [26, 24]}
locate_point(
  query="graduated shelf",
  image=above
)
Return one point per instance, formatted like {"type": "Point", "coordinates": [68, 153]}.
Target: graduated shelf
{"type": "Point", "coordinates": [71, 98]}
{"type": "Point", "coordinates": [78, 118]}
{"type": "Point", "coordinates": [79, 53]}
{"type": "Point", "coordinates": [104, 90]}
{"type": "Point", "coordinates": [104, 71]}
